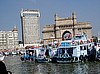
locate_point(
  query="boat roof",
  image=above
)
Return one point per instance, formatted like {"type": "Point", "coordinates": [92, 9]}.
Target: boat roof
{"type": "Point", "coordinates": [35, 49]}
{"type": "Point", "coordinates": [67, 46]}
{"type": "Point", "coordinates": [74, 46]}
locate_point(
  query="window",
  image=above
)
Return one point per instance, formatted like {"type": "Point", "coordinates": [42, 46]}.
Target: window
{"type": "Point", "coordinates": [83, 47]}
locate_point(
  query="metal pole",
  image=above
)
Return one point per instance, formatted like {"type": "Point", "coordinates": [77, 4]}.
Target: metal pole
{"type": "Point", "coordinates": [55, 27]}
{"type": "Point", "coordinates": [73, 29]}
{"type": "Point", "coordinates": [22, 30]}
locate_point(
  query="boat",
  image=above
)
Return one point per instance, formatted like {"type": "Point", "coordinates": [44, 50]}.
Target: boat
{"type": "Point", "coordinates": [14, 53]}
{"type": "Point", "coordinates": [29, 55]}
{"type": "Point", "coordinates": [73, 50]}
{"type": "Point", "coordinates": [6, 53]}
{"type": "Point", "coordinates": [2, 57]}
{"type": "Point", "coordinates": [97, 46]}
{"type": "Point", "coordinates": [35, 55]}
{"type": "Point", "coordinates": [42, 55]}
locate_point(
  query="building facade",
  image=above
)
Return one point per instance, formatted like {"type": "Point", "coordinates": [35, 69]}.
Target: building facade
{"type": "Point", "coordinates": [9, 39]}
{"type": "Point", "coordinates": [30, 26]}
{"type": "Point", "coordinates": [63, 27]}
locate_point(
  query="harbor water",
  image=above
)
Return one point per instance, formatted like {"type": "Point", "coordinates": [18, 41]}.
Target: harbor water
{"type": "Point", "coordinates": [16, 66]}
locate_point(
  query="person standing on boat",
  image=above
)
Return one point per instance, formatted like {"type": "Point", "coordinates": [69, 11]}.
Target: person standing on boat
{"type": "Point", "coordinates": [93, 53]}
{"type": "Point", "coordinates": [89, 49]}
{"type": "Point", "coordinates": [47, 53]}
{"type": "Point", "coordinates": [95, 45]}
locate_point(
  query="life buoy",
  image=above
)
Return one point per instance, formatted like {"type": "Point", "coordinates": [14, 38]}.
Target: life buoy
{"type": "Point", "coordinates": [73, 42]}
{"type": "Point", "coordinates": [81, 42]}
{"type": "Point", "coordinates": [91, 39]}
{"type": "Point", "coordinates": [88, 41]}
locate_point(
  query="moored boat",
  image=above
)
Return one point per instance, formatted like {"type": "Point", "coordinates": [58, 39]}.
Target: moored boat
{"type": "Point", "coordinates": [35, 55]}
{"type": "Point", "coordinates": [73, 50]}
{"type": "Point", "coordinates": [2, 57]}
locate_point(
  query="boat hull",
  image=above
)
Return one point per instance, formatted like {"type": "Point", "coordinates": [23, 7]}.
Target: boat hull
{"type": "Point", "coordinates": [41, 60]}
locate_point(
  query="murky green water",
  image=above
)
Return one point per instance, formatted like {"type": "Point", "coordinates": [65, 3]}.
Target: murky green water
{"type": "Point", "coordinates": [16, 66]}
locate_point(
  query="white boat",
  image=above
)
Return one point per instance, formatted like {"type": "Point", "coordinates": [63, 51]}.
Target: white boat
{"type": "Point", "coordinates": [14, 53]}
{"type": "Point", "coordinates": [35, 55]}
{"type": "Point", "coordinates": [73, 50]}
{"type": "Point", "coordinates": [2, 57]}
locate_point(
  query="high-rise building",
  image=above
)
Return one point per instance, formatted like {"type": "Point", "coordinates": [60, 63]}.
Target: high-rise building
{"type": "Point", "coordinates": [9, 39]}
{"type": "Point", "coordinates": [30, 26]}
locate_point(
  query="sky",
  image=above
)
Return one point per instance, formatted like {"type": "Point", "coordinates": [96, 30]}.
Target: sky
{"type": "Point", "coordinates": [86, 11]}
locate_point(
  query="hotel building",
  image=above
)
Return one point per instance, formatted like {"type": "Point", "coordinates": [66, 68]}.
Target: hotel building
{"type": "Point", "coordinates": [30, 21]}
{"type": "Point", "coordinates": [9, 39]}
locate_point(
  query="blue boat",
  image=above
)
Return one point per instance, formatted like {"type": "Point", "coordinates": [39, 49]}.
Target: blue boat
{"type": "Point", "coordinates": [29, 55]}
{"type": "Point", "coordinates": [35, 55]}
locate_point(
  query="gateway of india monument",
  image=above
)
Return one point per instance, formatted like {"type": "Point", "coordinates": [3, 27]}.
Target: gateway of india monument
{"type": "Point", "coordinates": [64, 27]}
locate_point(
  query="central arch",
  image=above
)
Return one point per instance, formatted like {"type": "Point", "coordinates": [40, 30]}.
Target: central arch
{"type": "Point", "coordinates": [66, 35]}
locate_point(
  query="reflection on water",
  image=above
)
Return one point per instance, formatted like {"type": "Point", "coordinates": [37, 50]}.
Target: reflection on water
{"type": "Point", "coordinates": [16, 66]}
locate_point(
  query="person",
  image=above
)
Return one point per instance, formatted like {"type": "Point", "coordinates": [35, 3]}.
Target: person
{"type": "Point", "coordinates": [3, 69]}
{"type": "Point", "coordinates": [93, 53]}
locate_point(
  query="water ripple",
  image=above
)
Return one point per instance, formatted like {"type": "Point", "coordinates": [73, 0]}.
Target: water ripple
{"type": "Point", "coordinates": [16, 66]}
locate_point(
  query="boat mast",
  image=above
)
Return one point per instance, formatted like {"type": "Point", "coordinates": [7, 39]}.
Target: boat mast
{"type": "Point", "coordinates": [55, 26]}
{"type": "Point", "coordinates": [73, 19]}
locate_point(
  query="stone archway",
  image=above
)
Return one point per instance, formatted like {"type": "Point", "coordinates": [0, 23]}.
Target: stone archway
{"type": "Point", "coordinates": [66, 35]}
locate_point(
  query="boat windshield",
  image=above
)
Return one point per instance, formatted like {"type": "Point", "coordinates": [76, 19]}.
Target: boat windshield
{"type": "Point", "coordinates": [78, 37]}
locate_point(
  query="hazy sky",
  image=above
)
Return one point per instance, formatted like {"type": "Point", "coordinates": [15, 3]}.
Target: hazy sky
{"type": "Point", "coordinates": [86, 10]}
